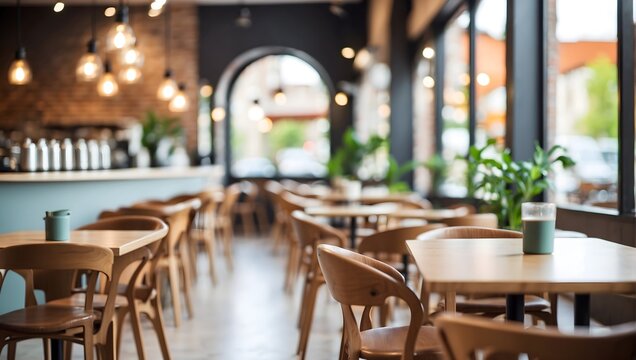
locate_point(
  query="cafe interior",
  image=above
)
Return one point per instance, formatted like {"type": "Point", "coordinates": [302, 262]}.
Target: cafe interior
{"type": "Point", "coordinates": [317, 179]}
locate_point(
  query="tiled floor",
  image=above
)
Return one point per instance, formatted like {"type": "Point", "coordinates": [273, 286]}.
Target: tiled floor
{"type": "Point", "coordinates": [245, 316]}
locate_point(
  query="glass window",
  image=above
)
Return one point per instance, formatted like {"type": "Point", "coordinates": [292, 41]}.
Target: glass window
{"type": "Point", "coordinates": [279, 115]}
{"type": "Point", "coordinates": [583, 93]}
{"type": "Point", "coordinates": [490, 66]}
{"type": "Point", "coordinates": [424, 118]}
{"type": "Point", "coordinates": [455, 137]}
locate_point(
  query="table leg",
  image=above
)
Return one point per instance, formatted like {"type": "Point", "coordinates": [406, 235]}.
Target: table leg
{"type": "Point", "coordinates": [352, 231]}
{"type": "Point", "coordinates": [451, 304]}
{"type": "Point", "coordinates": [57, 349]}
{"type": "Point", "coordinates": [582, 310]}
{"type": "Point", "coordinates": [514, 307]}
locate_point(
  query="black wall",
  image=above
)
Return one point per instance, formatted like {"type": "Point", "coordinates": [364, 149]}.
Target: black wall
{"type": "Point", "coordinates": [310, 28]}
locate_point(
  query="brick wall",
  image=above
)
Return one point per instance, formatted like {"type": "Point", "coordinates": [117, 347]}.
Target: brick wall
{"type": "Point", "coordinates": [54, 44]}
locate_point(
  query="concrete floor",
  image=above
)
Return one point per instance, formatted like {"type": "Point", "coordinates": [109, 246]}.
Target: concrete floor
{"type": "Point", "coordinates": [247, 315]}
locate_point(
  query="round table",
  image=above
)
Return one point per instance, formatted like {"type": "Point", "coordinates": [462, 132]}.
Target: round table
{"type": "Point", "coordinates": [437, 215]}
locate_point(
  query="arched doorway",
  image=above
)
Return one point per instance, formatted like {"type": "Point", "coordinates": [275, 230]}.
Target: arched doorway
{"type": "Point", "coordinates": [277, 105]}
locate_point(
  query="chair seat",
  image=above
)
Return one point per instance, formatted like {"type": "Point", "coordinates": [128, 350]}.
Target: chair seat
{"type": "Point", "coordinates": [498, 304]}
{"type": "Point", "coordinates": [388, 343]}
{"type": "Point", "coordinates": [45, 319]}
{"type": "Point", "coordinates": [99, 301]}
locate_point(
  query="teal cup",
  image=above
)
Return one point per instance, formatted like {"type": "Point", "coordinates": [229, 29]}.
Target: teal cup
{"type": "Point", "coordinates": [57, 225]}
{"type": "Point", "coordinates": [538, 227]}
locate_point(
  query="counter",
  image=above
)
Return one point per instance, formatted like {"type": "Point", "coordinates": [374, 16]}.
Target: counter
{"type": "Point", "coordinates": [24, 197]}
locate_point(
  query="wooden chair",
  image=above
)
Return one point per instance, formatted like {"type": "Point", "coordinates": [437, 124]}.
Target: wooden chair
{"type": "Point", "coordinates": [173, 256]}
{"type": "Point", "coordinates": [310, 234]}
{"type": "Point", "coordinates": [465, 336]}
{"type": "Point", "coordinates": [463, 208]}
{"type": "Point", "coordinates": [49, 321]}
{"type": "Point", "coordinates": [202, 232]}
{"type": "Point", "coordinates": [490, 305]}
{"type": "Point", "coordinates": [358, 280]}
{"type": "Point", "coordinates": [249, 208]}
{"type": "Point", "coordinates": [487, 220]}
{"type": "Point", "coordinates": [137, 285]}
{"type": "Point", "coordinates": [274, 189]}
{"type": "Point", "coordinates": [389, 246]}
{"type": "Point", "coordinates": [224, 225]}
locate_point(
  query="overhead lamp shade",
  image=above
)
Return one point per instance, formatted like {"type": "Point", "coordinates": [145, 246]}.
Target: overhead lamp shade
{"type": "Point", "coordinates": [89, 66]}
{"type": "Point", "coordinates": [120, 35]}
{"type": "Point", "coordinates": [179, 102]}
{"type": "Point", "coordinates": [20, 71]}
{"type": "Point", "coordinates": [107, 85]}
{"type": "Point", "coordinates": [130, 74]}
{"type": "Point", "coordinates": [168, 87]}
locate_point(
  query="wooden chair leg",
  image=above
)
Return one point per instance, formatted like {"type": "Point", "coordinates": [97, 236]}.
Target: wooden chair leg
{"type": "Point", "coordinates": [88, 342]}
{"type": "Point", "coordinates": [120, 318]}
{"type": "Point", "coordinates": [193, 250]}
{"type": "Point", "coordinates": [303, 300]}
{"type": "Point", "coordinates": [46, 348]}
{"type": "Point", "coordinates": [291, 263]}
{"type": "Point", "coordinates": [173, 277]}
{"type": "Point", "coordinates": [67, 350]}
{"type": "Point", "coordinates": [11, 349]}
{"type": "Point", "coordinates": [185, 268]}
{"type": "Point", "coordinates": [135, 324]}
{"type": "Point", "coordinates": [210, 245]}
{"type": "Point", "coordinates": [306, 328]}
{"type": "Point", "coordinates": [158, 324]}
{"type": "Point", "coordinates": [227, 245]}
{"type": "Point", "coordinates": [247, 218]}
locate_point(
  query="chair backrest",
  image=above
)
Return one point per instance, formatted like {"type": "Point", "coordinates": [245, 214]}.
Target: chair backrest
{"type": "Point", "coordinates": [177, 217]}
{"type": "Point", "coordinates": [469, 232]}
{"type": "Point", "coordinates": [464, 336]}
{"type": "Point", "coordinates": [463, 208]}
{"type": "Point", "coordinates": [232, 194]}
{"type": "Point", "coordinates": [24, 259]}
{"type": "Point", "coordinates": [310, 232]}
{"type": "Point", "coordinates": [357, 280]}
{"type": "Point", "coordinates": [487, 220]}
{"type": "Point", "coordinates": [393, 241]}
{"type": "Point", "coordinates": [126, 222]}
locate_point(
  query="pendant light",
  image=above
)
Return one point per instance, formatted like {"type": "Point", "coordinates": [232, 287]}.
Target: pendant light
{"type": "Point", "coordinates": [168, 87]}
{"type": "Point", "coordinates": [19, 71]}
{"type": "Point", "coordinates": [107, 85]}
{"type": "Point", "coordinates": [120, 35]}
{"type": "Point", "coordinates": [90, 66]}
{"type": "Point", "coordinates": [130, 74]}
{"type": "Point", "coordinates": [132, 56]}
{"type": "Point", "coordinates": [179, 102]}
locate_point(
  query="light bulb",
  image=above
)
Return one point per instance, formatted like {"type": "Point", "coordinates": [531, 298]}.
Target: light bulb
{"type": "Point", "coordinates": [280, 98]}
{"type": "Point", "coordinates": [255, 112]}
{"type": "Point", "coordinates": [20, 71]}
{"type": "Point", "coordinates": [132, 56]}
{"type": "Point", "coordinates": [130, 74]}
{"type": "Point", "coordinates": [179, 102]}
{"type": "Point", "coordinates": [89, 67]}
{"type": "Point", "coordinates": [265, 125]}
{"type": "Point", "coordinates": [107, 85]}
{"type": "Point", "coordinates": [218, 113]}
{"type": "Point", "coordinates": [120, 35]}
{"type": "Point", "coordinates": [348, 53]}
{"type": "Point", "coordinates": [168, 87]}
{"type": "Point", "coordinates": [341, 99]}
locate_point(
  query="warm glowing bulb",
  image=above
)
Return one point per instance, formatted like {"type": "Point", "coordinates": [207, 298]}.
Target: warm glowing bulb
{"type": "Point", "coordinates": [348, 53]}
{"type": "Point", "coordinates": [206, 90]}
{"type": "Point", "coordinates": [179, 102]}
{"type": "Point", "coordinates": [280, 98]}
{"type": "Point", "coordinates": [341, 99]}
{"type": "Point", "coordinates": [218, 114]}
{"type": "Point", "coordinates": [130, 74]}
{"type": "Point", "coordinates": [428, 52]}
{"type": "Point", "coordinates": [154, 12]}
{"type": "Point", "coordinates": [384, 110]}
{"type": "Point", "coordinates": [107, 85]}
{"type": "Point", "coordinates": [89, 67]}
{"type": "Point", "coordinates": [167, 89]}
{"type": "Point", "coordinates": [483, 79]}
{"type": "Point", "coordinates": [120, 36]}
{"type": "Point", "coordinates": [132, 56]}
{"type": "Point", "coordinates": [265, 125]}
{"type": "Point", "coordinates": [255, 112]}
{"type": "Point", "coordinates": [59, 6]}
{"type": "Point", "coordinates": [428, 81]}
{"type": "Point", "coordinates": [110, 11]}
{"type": "Point", "coordinates": [19, 72]}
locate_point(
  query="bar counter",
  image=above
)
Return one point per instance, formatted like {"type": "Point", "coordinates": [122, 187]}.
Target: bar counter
{"type": "Point", "coordinates": [24, 197]}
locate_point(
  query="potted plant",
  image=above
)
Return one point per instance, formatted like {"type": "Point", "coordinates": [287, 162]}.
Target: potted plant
{"type": "Point", "coordinates": [344, 165]}
{"type": "Point", "coordinates": [503, 184]}
{"type": "Point", "coordinates": [155, 130]}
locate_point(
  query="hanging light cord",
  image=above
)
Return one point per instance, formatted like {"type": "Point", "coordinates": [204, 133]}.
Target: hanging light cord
{"type": "Point", "coordinates": [18, 25]}
{"type": "Point", "coordinates": [93, 22]}
{"type": "Point", "coordinates": [168, 36]}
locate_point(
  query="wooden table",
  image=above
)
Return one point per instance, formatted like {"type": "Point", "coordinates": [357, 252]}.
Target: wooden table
{"type": "Point", "coordinates": [578, 265]}
{"type": "Point", "coordinates": [352, 212]}
{"type": "Point", "coordinates": [124, 245]}
{"type": "Point", "coordinates": [436, 215]}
